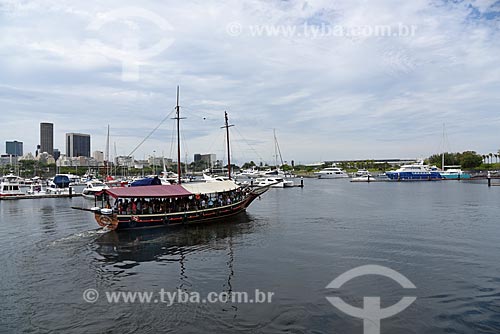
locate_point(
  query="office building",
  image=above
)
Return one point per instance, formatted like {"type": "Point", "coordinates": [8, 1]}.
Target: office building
{"type": "Point", "coordinates": [14, 148]}
{"type": "Point", "coordinates": [208, 159]}
{"type": "Point", "coordinates": [46, 138]}
{"type": "Point", "coordinates": [77, 145]}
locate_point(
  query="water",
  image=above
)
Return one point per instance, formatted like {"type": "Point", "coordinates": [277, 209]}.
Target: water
{"type": "Point", "coordinates": [443, 236]}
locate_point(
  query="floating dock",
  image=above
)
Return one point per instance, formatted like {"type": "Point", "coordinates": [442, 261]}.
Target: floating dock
{"type": "Point", "coordinates": [40, 196]}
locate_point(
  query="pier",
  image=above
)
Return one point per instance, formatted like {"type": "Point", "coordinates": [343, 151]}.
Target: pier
{"type": "Point", "coordinates": [40, 196]}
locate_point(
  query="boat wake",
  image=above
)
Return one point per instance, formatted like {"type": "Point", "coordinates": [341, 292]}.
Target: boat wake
{"type": "Point", "coordinates": [92, 234]}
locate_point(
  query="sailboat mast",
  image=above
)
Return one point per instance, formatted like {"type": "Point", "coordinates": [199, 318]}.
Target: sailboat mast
{"type": "Point", "coordinates": [277, 147]}
{"type": "Point", "coordinates": [114, 158]}
{"type": "Point", "coordinates": [442, 156]}
{"type": "Point", "coordinates": [177, 117]}
{"type": "Point", "coordinates": [275, 150]}
{"type": "Point", "coordinates": [227, 126]}
{"type": "Point", "coordinates": [107, 153]}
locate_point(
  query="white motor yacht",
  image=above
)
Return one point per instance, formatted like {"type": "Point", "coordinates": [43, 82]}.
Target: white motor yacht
{"type": "Point", "coordinates": [331, 173]}
{"type": "Point", "coordinates": [9, 186]}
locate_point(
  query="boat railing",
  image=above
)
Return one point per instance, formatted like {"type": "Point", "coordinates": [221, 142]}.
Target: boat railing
{"type": "Point", "coordinates": [197, 211]}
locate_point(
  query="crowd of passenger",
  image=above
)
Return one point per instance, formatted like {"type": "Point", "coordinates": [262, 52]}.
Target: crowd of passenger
{"type": "Point", "coordinates": [177, 204]}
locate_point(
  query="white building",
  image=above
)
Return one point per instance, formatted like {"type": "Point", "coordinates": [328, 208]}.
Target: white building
{"type": "Point", "coordinates": [124, 161]}
{"type": "Point", "coordinates": [98, 155]}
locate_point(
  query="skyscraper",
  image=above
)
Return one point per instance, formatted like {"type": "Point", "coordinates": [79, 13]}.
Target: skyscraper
{"type": "Point", "coordinates": [77, 145]}
{"type": "Point", "coordinates": [47, 138]}
{"type": "Point", "coordinates": [14, 148]}
{"type": "Point", "coordinates": [209, 159]}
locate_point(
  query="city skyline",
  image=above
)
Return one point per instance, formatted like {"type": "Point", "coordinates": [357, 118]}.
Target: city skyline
{"type": "Point", "coordinates": [281, 65]}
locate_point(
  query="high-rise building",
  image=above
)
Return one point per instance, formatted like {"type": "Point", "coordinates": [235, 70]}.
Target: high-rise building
{"type": "Point", "coordinates": [77, 145]}
{"type": "Point", "coordinates": [208, 159]}
{"type": "Point", "coordinates": [14, 148]}
{"type": "Point", "coordinates": [47, 138]}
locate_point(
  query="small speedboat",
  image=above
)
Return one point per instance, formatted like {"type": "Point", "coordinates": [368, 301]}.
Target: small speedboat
{"type": "Point", "coordinates": [59, 185]}
{"type": "Point", "coordinates": [362, 172]}
{"type": "Point", "coordinates": [214, 178]}
{"type": "Point", "coordinates": [274, 182]}
{"type": "Point", "coordinates": [36, 190]}
{"type": "Point", "coordinates": [363, 178]}
{"type": "Point", "coordinates": [93, 188]}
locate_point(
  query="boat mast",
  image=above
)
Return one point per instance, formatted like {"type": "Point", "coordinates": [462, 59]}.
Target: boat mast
{"type": "Point", "coordinates": [107, 154]}
{"type": "Point", "coordinates": [178, 118]}
{"type": "Point", "coordinates": [442, 155]}
{"type": "Point", "coordinates": [227, 126]}
{"type": "Point", "coordinates": [277, 149]}
{"type": "Point", "coordinates": [114, 155]}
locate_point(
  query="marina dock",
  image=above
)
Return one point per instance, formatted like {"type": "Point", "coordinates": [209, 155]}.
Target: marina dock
{"type": "Point", "coordinates": [40, 196]}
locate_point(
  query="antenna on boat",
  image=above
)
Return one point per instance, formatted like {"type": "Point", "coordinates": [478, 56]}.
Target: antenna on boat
{"type": "Point", "coordinates": [227, 126]}
{"type": "Point", "coordinates": [178, 118]}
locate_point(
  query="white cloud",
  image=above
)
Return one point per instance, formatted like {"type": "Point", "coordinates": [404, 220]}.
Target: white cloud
{"type": "Point", "coordinates": [329, 97]}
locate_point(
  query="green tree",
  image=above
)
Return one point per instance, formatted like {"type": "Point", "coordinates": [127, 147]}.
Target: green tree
{"type": "Point", "coordinates": [470, 159]}
{"type": "Point", "coordinates": [248, 165]}
{"type": "Point", "coordinates": [449, 159]}
{"type": "Point", "coordinates": [467, 159]}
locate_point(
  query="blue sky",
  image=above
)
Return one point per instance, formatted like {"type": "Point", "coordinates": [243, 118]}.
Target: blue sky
{"type": "Point", "coordinates": [328, 97]}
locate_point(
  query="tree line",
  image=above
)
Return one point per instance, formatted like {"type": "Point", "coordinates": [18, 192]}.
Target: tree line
{"type": "Point", "coordinates": [467, 159]}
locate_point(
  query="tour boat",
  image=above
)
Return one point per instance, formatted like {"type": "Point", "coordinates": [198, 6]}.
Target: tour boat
{"type": "Point", "coordinates": [166, 205]}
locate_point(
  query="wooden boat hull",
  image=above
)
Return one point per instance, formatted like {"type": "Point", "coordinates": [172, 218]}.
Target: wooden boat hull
{"type": "Point", "coordinates": [136, 221]}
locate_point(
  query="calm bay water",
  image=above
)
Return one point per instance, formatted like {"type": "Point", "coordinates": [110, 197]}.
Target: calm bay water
{"type": "Point", "coordinates": [443, 236]}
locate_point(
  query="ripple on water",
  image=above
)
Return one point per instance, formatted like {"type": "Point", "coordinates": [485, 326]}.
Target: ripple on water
{"type": "Point", "coordinates": [443, 237]}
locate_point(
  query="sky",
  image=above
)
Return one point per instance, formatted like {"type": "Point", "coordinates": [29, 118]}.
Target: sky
{"type": "Point", "coordinates": [324, 74]}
